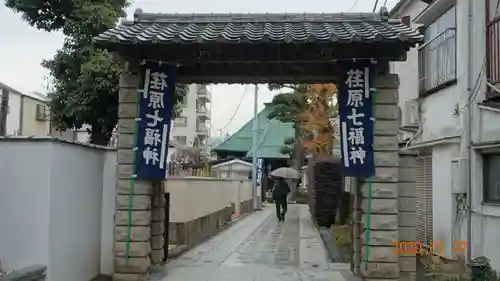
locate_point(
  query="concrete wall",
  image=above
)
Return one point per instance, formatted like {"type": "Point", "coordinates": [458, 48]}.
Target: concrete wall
{"type": "Point", "coordinates": [195, 197]}
{"type": "Point", "coordinates": [56, 207]}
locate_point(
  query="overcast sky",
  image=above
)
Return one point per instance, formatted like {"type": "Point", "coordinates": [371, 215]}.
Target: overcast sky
{"type": "Point", "coordinates": [23, 47]}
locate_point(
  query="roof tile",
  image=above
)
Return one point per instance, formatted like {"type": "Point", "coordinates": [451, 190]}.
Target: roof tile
{"type": "Point", "coordinates": [251, 28]}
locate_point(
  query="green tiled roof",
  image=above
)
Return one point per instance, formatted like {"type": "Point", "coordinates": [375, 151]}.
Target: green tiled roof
{"type": "Point", "coordinates": [272, 134]}
{"type": "Point", "coordinates": [272, 138]}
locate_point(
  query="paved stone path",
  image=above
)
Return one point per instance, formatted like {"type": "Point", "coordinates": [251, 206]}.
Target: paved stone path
{"type": "Point", "coordinates": [260, 248]}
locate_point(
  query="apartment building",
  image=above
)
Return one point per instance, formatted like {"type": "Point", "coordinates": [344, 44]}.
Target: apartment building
{"type": "Point", "coordinates": [450, 109]}
{"type": "Point", "coordinates": [192, 127]}
{"type": "Point", "coordinates": [27, 113]}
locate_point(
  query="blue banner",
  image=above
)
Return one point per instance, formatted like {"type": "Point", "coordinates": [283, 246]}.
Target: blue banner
{"type": "Point", "coordinates": [155, 116]}
{"type": "Point", "coordinates": [260, 166]}
{"type": "Point", "coordinates": [356, 119]}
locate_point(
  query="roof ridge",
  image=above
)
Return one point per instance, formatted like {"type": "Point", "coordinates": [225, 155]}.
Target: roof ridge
{"type": "Point", "coordinates": [141, 17]}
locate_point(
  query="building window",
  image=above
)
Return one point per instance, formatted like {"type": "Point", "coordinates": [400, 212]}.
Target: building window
{"type": "Point", "coordinates": [181, 140]}
{"type": "Point", "coordinates": [42, 112]}
{"type": "Point", "coordinates": [180, 121]}
{"type": "Point", "coordinates": [493, 46]}
{"type": "Point", "coordinates": [491, 169]}
{"type": "Point", "coordinates": [437, 56]}
{"type": "Point", "coordinates": [184, 100]}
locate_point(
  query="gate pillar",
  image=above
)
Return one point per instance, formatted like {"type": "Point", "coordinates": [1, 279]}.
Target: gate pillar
{"type": "Point", "coordinates": [391, 209]}
{"type": "Point", "coordinates": [139, 247]}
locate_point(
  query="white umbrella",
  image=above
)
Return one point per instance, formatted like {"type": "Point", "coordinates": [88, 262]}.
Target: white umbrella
{"type": "Point", "coordinates": [286, 172]}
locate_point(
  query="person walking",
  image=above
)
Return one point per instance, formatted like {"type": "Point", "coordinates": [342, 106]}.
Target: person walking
{"type": "Point", "coordinates": [280, 194]}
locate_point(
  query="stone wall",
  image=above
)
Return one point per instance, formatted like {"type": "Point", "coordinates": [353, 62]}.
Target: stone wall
{"type": "Point", "coordinates": [31, 273]}
{"type": "Point", "coordinates": [193, 232]}
{"type": "Point", "coordinates": [140, 234]}
{"type": "Point", "coordinates": [246, 207]}
{"type": "Point", "coordinates": [391, 212]}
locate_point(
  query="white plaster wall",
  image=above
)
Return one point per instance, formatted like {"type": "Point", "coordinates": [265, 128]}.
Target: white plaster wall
{"type": "Point", "coordinates": [75, 212]}
{"type": "Point", "coordinates": [57, 207]}
{"type": "Point", "coordinates": [442, 200]}
{"type": "Point", "coordinates": [108, 211]}
{"type": "Point", "coordinates": [245, 190]}
{"type": "Point", "coordinates": [14, 115]}
{"type": "Point", "coordinates": [438, 117]}
{"type": "Point", "coordinates": [194, 197]}
{"type": "Point", "coordinates": [24, 204]}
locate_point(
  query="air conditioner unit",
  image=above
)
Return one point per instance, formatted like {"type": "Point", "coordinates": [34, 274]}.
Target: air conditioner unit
{"type": "Point", "coordinates": [42, 112]}
{"type": "Point", "coordinates": [411, 113]}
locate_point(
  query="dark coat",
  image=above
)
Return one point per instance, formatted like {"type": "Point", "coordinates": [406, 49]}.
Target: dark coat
{"type": "Point", "coordinates": [281, 190]}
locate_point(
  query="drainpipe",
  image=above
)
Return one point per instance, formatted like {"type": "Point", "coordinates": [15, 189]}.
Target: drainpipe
{"type": "Point", "coordinates": [21, 117]}
{"type": "Point", "coordinates": [254, 149]}
{"type": "Point", "coordinates": [468, 133]}
{"type": "Point", "coordinates": [4, 111]}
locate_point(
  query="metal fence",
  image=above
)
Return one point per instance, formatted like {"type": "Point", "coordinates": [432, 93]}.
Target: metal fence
{"type": "Point", "coordinates": [493, 50]}
{"type": "Point", "coordinates": [437, 61]}
{"type": "Point", "coordinates": [178, 170]}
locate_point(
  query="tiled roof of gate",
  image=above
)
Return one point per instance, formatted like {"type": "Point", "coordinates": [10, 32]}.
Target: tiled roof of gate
{"type": "Point", "coordinates": [258, 28]}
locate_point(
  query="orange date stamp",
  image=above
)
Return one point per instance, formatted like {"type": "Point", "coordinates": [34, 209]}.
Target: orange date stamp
{"type": "Point", "coordinates": [416, 247]}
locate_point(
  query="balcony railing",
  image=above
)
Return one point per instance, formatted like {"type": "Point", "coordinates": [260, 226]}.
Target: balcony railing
{"type": "Point", "coordinates": [203, 93]}
{"type": "Point", "coordinates": [201, 129]}
{"type": "Point", "coordinates": [437, 62]}
{"type": "Point", "coordinates": [493, 50]}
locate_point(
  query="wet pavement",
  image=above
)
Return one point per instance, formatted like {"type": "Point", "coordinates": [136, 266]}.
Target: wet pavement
{"type": "Point", "coordinates": [260, 248]}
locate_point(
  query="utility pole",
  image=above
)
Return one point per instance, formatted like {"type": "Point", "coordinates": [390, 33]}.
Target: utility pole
{"type": "Point", "coordinates": [255, 132]}
{"type": "Point", "coordinates": [4, 110]}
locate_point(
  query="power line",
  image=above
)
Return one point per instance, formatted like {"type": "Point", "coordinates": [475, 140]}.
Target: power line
{"type": "Point", "coordinates": [385, 3]}
{"type": "Point", "coordinates": [237, 108]}
{"type": "Point", "coordinates": [375, 6]}
{"type": "Point", "coordinates": [476, 89]}
{"type": "Point", "coordinates": [353, 5]}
